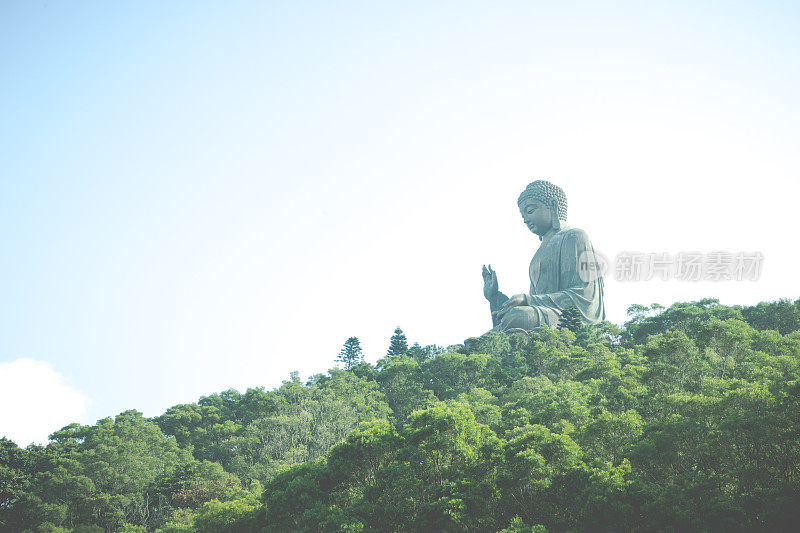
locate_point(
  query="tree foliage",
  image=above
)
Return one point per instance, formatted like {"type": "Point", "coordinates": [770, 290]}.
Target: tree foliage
{"type": "Point", "coordinates": [351, 354]}
{"type": "Point", "coordinates": [685, 419]}
{"type": "Point", "coordinates": [571, 319]}
{"type": "Point", "coordinates": [398, 344]}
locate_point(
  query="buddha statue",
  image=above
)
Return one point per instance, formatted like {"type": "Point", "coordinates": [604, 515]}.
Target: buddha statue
{"type": "Point", "coordinates": [563, 272]}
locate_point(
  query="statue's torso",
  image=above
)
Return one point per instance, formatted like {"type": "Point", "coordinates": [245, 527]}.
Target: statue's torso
{"type": "Point", "coordinates": [556, 279]}
{"type": "Point", "coordinates": [546, 264]}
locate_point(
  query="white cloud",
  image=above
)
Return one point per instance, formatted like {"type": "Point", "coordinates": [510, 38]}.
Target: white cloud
{"type": "Point", "coordinates": [35, 400]}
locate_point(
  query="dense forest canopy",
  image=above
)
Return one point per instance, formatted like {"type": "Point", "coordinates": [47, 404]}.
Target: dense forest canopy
{"type": "Point", "coordinates": [686, 418]}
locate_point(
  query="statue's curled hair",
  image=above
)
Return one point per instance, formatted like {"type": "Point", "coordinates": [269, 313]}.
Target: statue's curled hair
{"type": "Point", "coordinates": [547, 193]}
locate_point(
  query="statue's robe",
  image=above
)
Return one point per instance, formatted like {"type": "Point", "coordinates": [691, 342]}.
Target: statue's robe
{"type": "Point", "coordinates": [557, 283]}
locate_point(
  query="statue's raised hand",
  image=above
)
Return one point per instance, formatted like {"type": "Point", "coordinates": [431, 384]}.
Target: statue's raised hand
{"type": "Point", "coordinates": [490, 286]}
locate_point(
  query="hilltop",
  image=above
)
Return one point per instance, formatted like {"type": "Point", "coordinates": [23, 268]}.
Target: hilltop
{"type": "Point", "coordinates": [685, 418]}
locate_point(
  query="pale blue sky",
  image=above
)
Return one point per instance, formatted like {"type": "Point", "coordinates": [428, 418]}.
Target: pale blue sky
{"type": "Point", "coordinates": [203, 195]}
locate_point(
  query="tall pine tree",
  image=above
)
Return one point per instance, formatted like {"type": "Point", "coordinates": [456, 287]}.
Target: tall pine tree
{"type": "Point", "coordinates": [350, 355]}
{"type": "Point", "coordinates": [398, 344]}
{"type": "Point", "coordinates": [571, 319]}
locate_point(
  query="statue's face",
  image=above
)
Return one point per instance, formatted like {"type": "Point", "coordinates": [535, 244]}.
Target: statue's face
{"type": "Point", "coordinates": [537, 216]}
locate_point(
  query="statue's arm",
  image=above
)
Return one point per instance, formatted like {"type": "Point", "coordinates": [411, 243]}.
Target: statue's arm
{"type": "Point", "coordinates": [495, 304]}
{"type": "Point", "coordinates": [492, 292]}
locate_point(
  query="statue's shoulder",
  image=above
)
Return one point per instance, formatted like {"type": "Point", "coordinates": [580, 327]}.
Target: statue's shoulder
{"type": "Point", "coordinates": [575, 235]}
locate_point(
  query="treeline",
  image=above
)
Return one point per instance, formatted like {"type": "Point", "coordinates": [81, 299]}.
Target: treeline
{"type": "Point", "coordinates": [685, 419]}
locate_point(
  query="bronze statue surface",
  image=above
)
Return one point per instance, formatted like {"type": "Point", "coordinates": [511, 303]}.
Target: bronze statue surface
{"type": "Point", "coordinates": [563, 270]}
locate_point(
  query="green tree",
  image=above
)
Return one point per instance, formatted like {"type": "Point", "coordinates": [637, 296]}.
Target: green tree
{"type": "Point", "coordinates": [237, 516]}
{"type": "Point", "coordinates": [571, 319]}
{"type": "Point", "coordinates": [401, 380]}
{"type": "Point", "coordinates": [350, 355]}
{"type": "Point", "coordinates": [782, 316]}
{"type": "Point", "coordinates": [17, 503]}
{"type": "Point", "coordinates": [398, 344]}
{"type": "Point", "coordinates": [685, 419]}
{"type": "Point", "coordinates": [422, 354]}
{"type": "Point", "coordinates": [451, 374]}
{"type": "Point", "coordinates": [104, 475]}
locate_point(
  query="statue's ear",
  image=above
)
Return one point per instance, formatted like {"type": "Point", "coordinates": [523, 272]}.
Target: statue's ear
{"type": "Point", "coordinates": [554, 220]}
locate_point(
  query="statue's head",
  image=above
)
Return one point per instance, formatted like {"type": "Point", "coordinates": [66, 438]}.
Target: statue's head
{"type": "Point", "coordinates": [543, 206]}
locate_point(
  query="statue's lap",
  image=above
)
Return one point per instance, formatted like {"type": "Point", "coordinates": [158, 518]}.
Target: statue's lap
{"type": "Point", "coordinates": [528, 318]}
